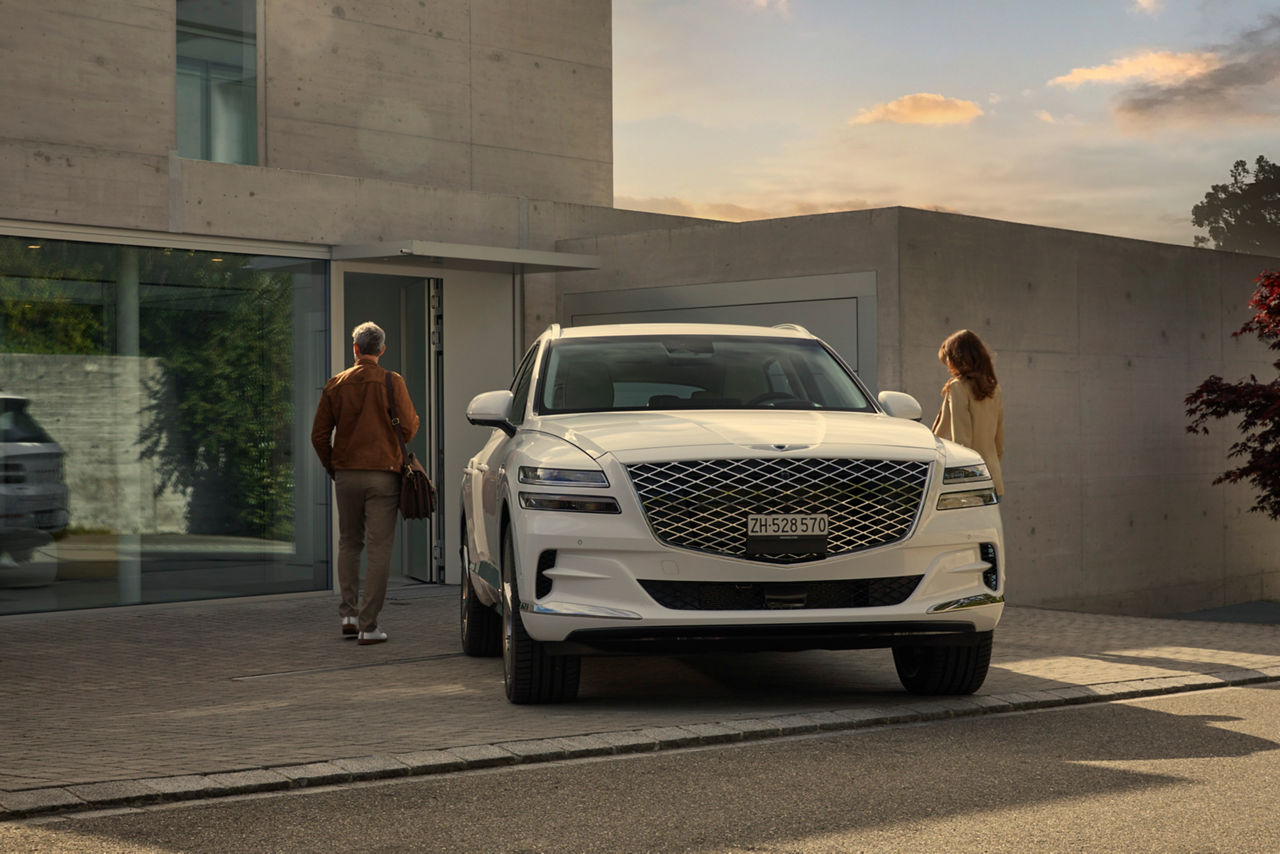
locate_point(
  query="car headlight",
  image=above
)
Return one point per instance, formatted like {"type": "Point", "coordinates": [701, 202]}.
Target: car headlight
{"type": "Point", "coordinates": [967, 498]}
{"type": "Point", "coordinates": [569, 503]}
{"type": "Point", "coordinates": [539, 476]}
{"type": "Point", "coordinates": [964, 474]}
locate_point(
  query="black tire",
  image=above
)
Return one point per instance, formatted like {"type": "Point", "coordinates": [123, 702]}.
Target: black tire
{"type": "Point", "coordinates": [529, 673]}
{"type": "Point", "coordinates": [481, 625]}
{"type": "Point", "coordinates": [958, 668]}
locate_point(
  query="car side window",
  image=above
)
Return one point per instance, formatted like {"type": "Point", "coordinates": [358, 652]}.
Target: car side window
{"type": "Point", "coordinates": [521, 385]}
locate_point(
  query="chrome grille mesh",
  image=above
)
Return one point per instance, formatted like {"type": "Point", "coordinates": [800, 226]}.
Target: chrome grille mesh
{"type": "Point", "coordinates": [703, 504]}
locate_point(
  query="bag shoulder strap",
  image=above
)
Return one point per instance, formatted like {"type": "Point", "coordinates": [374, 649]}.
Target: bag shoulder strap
{"type": "Point", "coordinates": [395, 422]}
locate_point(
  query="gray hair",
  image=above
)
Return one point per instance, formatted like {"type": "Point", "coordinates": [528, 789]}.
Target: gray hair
{"type": "Point", "coordinates": [369, 338]}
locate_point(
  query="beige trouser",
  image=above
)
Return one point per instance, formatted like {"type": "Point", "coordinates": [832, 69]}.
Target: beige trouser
{"type": "Point", "coordinates": [368, 506]}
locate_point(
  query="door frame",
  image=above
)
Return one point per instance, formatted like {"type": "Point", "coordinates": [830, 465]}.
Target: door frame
{"type": "Point", "coordinates": [432, 416]}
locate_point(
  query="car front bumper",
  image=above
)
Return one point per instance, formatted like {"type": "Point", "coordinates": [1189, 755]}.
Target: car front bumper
{"type": "Point", "coordinates": [592, 598]}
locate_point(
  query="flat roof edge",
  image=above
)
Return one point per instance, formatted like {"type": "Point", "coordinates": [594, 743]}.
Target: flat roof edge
{"type": "Point", "coordinates": [396, 250]}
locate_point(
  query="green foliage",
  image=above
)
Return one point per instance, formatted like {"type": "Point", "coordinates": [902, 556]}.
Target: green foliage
{"type": "Point", "coordinates": [37, 313]}
{"type": "Point", "coordinates": [1243, 215]}
{"type": "Point", "coordinates": [222, 413]}
{"type": "Point", "coordinates": [35, 320]}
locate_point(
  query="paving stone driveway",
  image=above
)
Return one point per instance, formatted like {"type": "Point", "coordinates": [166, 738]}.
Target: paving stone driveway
{"type": "Point", "coordinates": [162, 702]}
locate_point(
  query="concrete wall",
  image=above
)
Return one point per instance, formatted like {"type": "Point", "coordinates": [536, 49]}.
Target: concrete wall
{"type": "Point", "coordinates": [364, 102]}
{"type": "Point", "coordinates": [478, 357]}
{"type": "Point", "coordinates": [88, 106]}
{"type": "Point", "coordinates": [96, 408]}
{"type": "Point", "coordinates": [848, 242]}
{"type": "Point", "coordinates": [1109, 502]}
{"type": "Point", "coordinates": [484, 95]}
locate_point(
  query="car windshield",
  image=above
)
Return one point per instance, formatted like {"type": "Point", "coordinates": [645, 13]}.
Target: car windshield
{"type": "Point", "coordinates": [16, 425]}
{"type": "Point", "coordinates": [694, 372]}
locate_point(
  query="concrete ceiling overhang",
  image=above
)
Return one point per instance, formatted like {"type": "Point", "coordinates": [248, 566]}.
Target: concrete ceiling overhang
{"type": "Point", "coordinates": [416, 253]}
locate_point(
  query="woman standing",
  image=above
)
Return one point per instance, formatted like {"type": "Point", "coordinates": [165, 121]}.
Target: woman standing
{"type": "Point", "coordinates": [972, 413]}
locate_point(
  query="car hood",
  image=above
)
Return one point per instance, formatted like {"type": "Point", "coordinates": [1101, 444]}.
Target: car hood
{"type": "Point", "coordinates": [629, 435]}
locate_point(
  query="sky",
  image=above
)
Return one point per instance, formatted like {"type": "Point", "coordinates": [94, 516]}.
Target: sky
{"type": "Point", "coordinates": [1107, 116]}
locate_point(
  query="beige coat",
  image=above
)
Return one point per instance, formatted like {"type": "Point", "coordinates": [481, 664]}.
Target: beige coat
{"type": "Point", "coordinates": [976, 424]}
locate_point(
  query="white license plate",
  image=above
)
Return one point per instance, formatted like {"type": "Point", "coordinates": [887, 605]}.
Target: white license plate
{"type": "Point", "coordinates": [787, 525]}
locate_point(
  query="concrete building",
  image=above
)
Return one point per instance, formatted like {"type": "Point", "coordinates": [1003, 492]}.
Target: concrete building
{"type": "Point", "coordinates": [1109, 503]}
{"type": "Point", "coordinates": [178, 178]}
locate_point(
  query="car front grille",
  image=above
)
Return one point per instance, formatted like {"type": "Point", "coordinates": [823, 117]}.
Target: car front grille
{"type": "Point", "coordinates": [703, 504]}
{"type": "Point", "coordinates": [728, 596]}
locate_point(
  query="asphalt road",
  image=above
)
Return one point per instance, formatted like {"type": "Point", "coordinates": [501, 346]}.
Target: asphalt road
{"type": "Point", "coordinates": [1197, 771]}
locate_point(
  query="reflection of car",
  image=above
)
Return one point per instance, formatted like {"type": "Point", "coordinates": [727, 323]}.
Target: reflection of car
{"type": "Point", "coordinates": [687, 487]}
{"type": "Point", "coordinates": [33, 495]}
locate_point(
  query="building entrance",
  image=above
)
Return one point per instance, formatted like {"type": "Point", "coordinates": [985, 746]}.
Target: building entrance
{"type": "Point", "coordinates": [408, 308]}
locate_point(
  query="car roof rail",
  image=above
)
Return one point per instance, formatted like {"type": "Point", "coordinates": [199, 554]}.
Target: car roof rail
{"type": "Point", "coordinates": [793, 326]}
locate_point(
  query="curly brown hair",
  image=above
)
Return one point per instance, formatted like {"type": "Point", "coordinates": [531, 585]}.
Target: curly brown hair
{"type": "Point", "coordinates": [965, 356]}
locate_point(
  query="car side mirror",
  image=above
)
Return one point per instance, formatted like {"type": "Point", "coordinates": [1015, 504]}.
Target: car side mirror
{"type": "Point", "coordinates": [492, 409]}
{"type": "Point", "coordinates": [900, 405]}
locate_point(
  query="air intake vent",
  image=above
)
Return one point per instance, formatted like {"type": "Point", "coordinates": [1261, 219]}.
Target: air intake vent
{"type": "Point", "coordinates": [728, 596]}
{"type": "Point", "coordinates": [542, 582]}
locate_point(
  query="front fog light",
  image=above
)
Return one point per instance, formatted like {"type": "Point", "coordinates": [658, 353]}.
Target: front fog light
{"type": "Point", "coordinates": [569, 503]}
{"type": "Point", "coordinates": [968, 498]}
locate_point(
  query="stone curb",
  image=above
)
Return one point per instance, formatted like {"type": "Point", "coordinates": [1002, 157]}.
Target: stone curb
{"type": "Point", "coordinates": [82, 797]}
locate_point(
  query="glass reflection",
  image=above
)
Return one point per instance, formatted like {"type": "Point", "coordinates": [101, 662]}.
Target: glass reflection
{"type": "Point", "coordinates": [150, 446]}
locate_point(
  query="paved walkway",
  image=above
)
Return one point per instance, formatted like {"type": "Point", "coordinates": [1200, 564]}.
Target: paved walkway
{"type": "Point", "coordinates": [130, 706]}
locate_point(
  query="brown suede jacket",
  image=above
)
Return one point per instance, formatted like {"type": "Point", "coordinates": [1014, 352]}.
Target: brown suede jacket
{"type": "Point", "coordinates": [352, 429]}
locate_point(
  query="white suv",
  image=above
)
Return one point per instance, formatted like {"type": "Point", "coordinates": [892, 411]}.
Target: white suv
{"type": "Point", "coordinates": [33, 494]}
{"type": "Point", "coordinates": [672, 488]}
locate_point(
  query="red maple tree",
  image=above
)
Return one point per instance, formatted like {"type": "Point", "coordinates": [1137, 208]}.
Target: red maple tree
{"type": "Point", "coordinates": [1258, 404]}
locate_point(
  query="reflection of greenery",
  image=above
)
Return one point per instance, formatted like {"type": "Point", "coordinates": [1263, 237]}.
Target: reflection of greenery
{"type": "Point", "coordinates": [36, 314]}
{"type": "Point", "coordinates": [46, 322]}
{"type": "Point", "coordinates": [228, 440]}
{"type": "Point", "coordinates": [222, 331]}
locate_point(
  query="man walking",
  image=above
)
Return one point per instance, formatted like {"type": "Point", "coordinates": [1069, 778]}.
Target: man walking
{"type": "Point", "coordinates": [353, 436]}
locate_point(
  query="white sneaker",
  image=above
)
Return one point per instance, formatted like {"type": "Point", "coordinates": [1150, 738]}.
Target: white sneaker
{"type": "Point", "coordinates": [374, 636]}
{"type": "Point", "coordinates": [349, 628]}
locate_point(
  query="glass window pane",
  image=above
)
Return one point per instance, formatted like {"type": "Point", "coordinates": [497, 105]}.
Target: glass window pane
{"type": "Point", "coordinates": [191, 128]}
{"type": "Point", "coordinates": [164, 402]}
{"type": "Point", "coordinates": [233, 129]}
{"type": "Point", "coordinates": [694, 372]}
{"type": "Point", "coordinates": [217, 84]}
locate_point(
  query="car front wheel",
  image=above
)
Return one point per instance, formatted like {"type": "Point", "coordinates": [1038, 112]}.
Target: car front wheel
{"type": "Point", "coordinates": [957, 668]}
{"type": "Point", "coordinates": [530, 674]}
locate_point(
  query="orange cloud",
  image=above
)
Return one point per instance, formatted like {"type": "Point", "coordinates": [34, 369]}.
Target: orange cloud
{"type": "Point", "coordinates": [732, 212]}
{"type": "Point", "coordinates": [782, 6]}
{"type": "Point", "coordinates": [923, 108]}
{"type": "Point", "coordinates": [1159, 67]}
